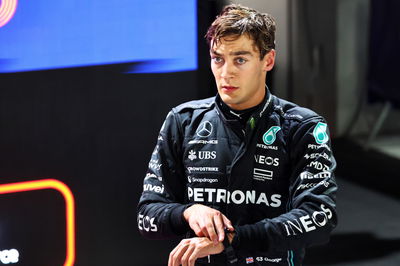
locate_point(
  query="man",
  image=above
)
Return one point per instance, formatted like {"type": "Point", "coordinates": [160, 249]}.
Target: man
{"type": "Point", "coordinates": [246, 176]}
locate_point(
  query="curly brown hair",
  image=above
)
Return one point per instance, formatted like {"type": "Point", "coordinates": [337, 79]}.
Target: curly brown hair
{"type": "Point", "coordinates": [236, 20]}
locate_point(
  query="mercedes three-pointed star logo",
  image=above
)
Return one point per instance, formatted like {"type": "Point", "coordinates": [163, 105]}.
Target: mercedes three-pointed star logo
{"type": "Point", "coordinates": [205, 129]}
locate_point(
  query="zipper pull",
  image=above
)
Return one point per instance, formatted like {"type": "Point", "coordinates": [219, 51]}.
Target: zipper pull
{"type": "Point", "coordinates": [252, 123]}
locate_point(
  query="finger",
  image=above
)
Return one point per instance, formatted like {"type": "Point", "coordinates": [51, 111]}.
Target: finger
{"type": "Point", "coordinates": [197, 230]}
{"type": "Point", "coordinates": [186, 255]}
{"type": "Point", "coordinates": [210, 230]}
{"type": "Point", "coordinates": [219, 227]}
{"type": "Point", "coordinates": [176, 259]}
{"type": "Point", "coordinates": [203, 227]}
{"type": "Point", "coordinates": [227, 223]}
{"type": "Point", "coordinates": [171, 255]}
{"type": "Point", "coordinates": [176, 254]}
{"type": "Point", "coordinates": [193, 257]}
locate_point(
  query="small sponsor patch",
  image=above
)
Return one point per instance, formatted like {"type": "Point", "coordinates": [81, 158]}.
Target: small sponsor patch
{"type": "Point", "coordinates": [320, 134]}
{"type": "Point", "coordinates": [270, 136]}
{"type": "Point", "coordinates": [249, 260]}
{"type": "Point", "coordinates": [262, 174]}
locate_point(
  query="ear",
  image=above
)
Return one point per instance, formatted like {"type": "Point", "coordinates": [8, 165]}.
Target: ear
{"type": "Point", "coordinates": [269, 60]}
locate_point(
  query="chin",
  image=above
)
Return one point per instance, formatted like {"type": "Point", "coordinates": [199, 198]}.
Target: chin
{"type": "Point", "coordinates": [230, 102]}
{"type": "Point", "coordinates": [227, 99]}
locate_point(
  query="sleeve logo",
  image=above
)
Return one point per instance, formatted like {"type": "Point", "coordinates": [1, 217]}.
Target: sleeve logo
{"type": "Point", "coordinates": [270, 136]}
{"type": "Point", "coordinates": [320, 134]}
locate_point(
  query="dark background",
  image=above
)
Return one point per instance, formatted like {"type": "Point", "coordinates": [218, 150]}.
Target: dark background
{"type": "Point", "coordinates": [94, 129]}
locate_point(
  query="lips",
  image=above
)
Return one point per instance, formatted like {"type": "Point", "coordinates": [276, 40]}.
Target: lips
{"type": "Point", "coordinates": [227, 88]}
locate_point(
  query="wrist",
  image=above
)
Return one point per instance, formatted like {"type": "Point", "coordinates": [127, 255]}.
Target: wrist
{"type": "Point", "coordinates": [177, 221]}
{"type": "Point", "coordinates": [186, 212]}
{"type": "Point", "coordinates": [230, 235]}
{"type": "Point", "coordinates": [229, 251]}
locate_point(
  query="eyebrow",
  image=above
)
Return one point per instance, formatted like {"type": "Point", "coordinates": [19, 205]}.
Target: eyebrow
{"type": "Point", "coordinates": [234, 53]}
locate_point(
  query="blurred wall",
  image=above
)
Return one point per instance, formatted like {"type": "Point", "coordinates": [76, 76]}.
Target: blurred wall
{"type": "Point", "coordinates": [322, 59]}
{"type": "Point", "coordinates": [305, 43]}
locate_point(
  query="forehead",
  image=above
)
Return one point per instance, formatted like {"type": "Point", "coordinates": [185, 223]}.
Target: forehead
{"type": "Point", "coordinates": [229, 44]}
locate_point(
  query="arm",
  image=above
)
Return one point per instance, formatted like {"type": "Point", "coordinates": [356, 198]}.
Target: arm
{"type": "Point", "coordinates": [161, 204]}
{"type": "Point", "coordinates": [189, 250]}
{"type": "Point", "coordinates": [207, 222]}
{"type": "Point", "coordinates": [161, 209]}
{"type": "Point", "coordinates": [311, 214]}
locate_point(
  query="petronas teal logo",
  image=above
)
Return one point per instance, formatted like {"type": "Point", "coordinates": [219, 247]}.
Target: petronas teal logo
{"type": "Point", "coordinates": [320, 134]}
{"type": "Point", "coordinates": [270, 136]}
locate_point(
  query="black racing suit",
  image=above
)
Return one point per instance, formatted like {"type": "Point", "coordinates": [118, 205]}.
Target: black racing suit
{"type": "Point", "coordinates": [272, 178]}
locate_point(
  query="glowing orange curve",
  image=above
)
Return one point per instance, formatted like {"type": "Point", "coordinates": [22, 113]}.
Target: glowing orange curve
{"type": "Point", "coordinates": [69, 207]}
{"type": "Point", "coordinates": [7, 11]}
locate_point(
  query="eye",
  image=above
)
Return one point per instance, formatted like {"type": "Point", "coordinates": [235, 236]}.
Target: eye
{"type": "Point", "coordinates": [217, 60]}
{"type": "Point", "coordinates": [241, 60]}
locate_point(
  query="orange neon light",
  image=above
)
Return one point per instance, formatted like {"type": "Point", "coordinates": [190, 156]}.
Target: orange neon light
{"type": "Point", "coordinates": [69, 207]}
{"type": "Point", "coordinates": [7, 11]}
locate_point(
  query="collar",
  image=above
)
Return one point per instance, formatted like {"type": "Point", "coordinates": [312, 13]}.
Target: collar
{"type": "Point", "coordinates": [242, 116]}
{"type": "Point", "coordinates": [234, 117]}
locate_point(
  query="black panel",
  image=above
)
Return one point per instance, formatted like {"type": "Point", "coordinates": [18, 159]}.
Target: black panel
{"type": "Point", "coordinates": [94, 130]}
{"type": "Point", "coordinates": [384, 52]}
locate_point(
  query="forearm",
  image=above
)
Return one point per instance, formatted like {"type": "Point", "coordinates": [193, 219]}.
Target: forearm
{"type": "Point", "coordinates": [296, 229]}
{"type": "Point", "coordinates": [161, 220]}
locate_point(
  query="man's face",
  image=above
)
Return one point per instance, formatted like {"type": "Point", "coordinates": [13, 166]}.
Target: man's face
{"type": "Point", "coordinates": [239, 72]}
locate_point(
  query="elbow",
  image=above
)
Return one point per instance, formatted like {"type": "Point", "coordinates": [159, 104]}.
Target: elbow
{"type": "Point", "coordinates": [326, 221]}
{"type": "Point", "coordinates": [147, 226]}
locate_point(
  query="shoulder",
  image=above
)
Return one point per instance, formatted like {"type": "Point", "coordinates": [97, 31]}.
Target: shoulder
{"type": "Point", "coordinates": [186, 114]}
{"type": "Point", "coordinates": [297, 121]}
{"type": "Point", "coordinates": [294, 113]}
{"type": "Point", "coordinates": [191, 106]}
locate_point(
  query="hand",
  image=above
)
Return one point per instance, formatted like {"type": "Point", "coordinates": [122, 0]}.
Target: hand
{"type": "Point", "coordinates": [189, 250]}
{"type": "Point", "coordinates": [207, 222]}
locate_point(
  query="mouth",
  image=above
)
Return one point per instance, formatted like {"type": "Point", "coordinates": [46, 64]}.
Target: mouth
{"type": "Point", "coordinates": [228, 88]}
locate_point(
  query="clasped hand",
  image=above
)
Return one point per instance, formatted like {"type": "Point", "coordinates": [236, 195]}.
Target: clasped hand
{"type": "Point", "coordinates": [208, 224]}
{"type": "Point", "coordinates": [190, 249]}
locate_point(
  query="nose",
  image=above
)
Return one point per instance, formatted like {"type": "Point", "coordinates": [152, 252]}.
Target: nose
{"type": "Point", "coordinates": [227, 71]}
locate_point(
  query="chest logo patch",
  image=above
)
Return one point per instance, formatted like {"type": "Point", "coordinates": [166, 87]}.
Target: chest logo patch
{"type": "Point", "coordinates": [320, 134]}
{"type": "Point", "coordinates": [205, 129]}
{"type": "Point", "coordinates": [270, 136]}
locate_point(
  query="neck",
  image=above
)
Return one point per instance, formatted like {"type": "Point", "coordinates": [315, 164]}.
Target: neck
{"type": "Point", "coordinates": [255, 101]}
{"type": "Point", "coordinates": [239, 115]}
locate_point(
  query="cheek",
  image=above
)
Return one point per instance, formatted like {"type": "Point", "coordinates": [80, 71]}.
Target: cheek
{"type": "Point", "coordinates": [254, 73]}
{"type": "Point", "coordinates": [214, 70]}
{"type": "Point", "coordinates": [215, 73]}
